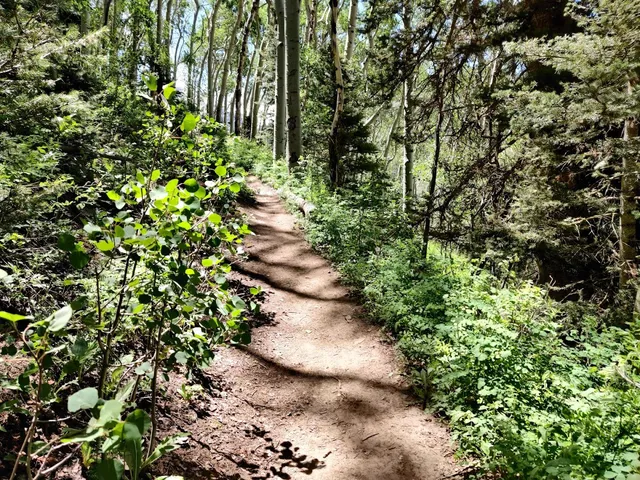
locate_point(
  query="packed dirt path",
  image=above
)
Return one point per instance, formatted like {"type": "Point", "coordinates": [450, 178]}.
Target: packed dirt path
{"type": "Point", "coordinates": [321, 386]}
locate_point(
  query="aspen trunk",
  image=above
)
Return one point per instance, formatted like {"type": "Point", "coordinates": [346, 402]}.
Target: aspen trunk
{"type": "Point", "coordinates": [167, 40]}
{"type": "Point", "coordinates": [248, 92]}
{"type": "Point", "coordinates": [227, 61]}
{"type": "Point", "coordinates": [281, 66]}
{"type": "Point", "coordinates": [396, 122]}
{"type": "Point", "coordinates": [351, 32]}
{"type": "Point", "coordinates": [257, 88]}
{"type": "Point", "coordinates": [192, 59]}
{"type": "Point", "coordinates": [294, 120]}
{"type": "Point", "coordinates": [211, 83]}
{"type": "Point", "coordinates": [334, 159]}
{"type": "Point", "coordinates": [407, 164]}
{"type": "Point", "coordinates": [243, 52]}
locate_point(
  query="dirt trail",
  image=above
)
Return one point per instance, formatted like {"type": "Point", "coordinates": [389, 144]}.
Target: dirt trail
{"type": "Point", "coordinates": [322, 389]}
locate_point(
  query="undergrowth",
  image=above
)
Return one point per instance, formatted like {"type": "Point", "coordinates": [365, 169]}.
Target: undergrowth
{"type": "Point", "coordinates": [531, 387]}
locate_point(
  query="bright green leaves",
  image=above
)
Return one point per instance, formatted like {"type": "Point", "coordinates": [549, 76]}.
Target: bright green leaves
{"type": "Point", "coordinates": [191, 185]}
{"type": "Point", "coordinates": [60, 319]}
{"type": "Point", "coordinates": [155, 175]}
{"type": "Point", "coordinates": [207, 262]}
{"type": "Point", "coordinates": [221, 170]}
{"type": "Point", "coordinates": [215, 218]}
{"type": "Point", "coordinates": [151, 81]}
{"type": "Point", "coordinates": [234, 187]}
{"type": "Point", "coordinates": [82, 400]}
{"type": "Point", "coordinates": [113, 196]}
{"type": "Point", "coordinates": [171, 186]}
{"type": "Point", "coordinates": [105, 245]}
{"type": "Point", "coordinates": [168, 90]}
{"type": "Point", "coordinates": [189, 122]}
{"type": "Point", "coordinates": [13, 317]}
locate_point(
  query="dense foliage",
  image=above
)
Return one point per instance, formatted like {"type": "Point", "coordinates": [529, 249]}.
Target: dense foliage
{"type": "Point", "coordinates": [474, 170]}
{"type": "Point", "coordinates": [531, 386]}
{"type": "Point", "coordinates": [117, 208]}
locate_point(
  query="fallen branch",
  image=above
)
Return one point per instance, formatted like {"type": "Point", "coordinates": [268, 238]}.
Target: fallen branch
{"type": "Point", "coordinates": [305, 207]}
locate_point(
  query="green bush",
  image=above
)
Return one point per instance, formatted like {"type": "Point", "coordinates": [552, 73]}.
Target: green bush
{"type": "Point", "coordinates": [530, 386]}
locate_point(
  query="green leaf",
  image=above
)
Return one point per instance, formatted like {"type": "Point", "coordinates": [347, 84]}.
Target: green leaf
{"type": "Point", "coordinates": [110, 412]}
{"type": "Point", "coordinates": [82, 399]}
{"type": "Point", "coordinates": [84, 436]}
{"type": "Point", "coordinates": [189, 122]}
{"type": "Point", "coordinates": [151, 81]}
{"type": "Point", "coordinates": [171, 185]}
{"type": "Point", "coordinates": [109, 469]}
{"type": "Point", "coordinates": [67, 242]}
{"type": "Point", "coordinates": [168, 90]}
{"type": "Point", "coordinates": [12, 317]}
{"type": "Point", "coordinates": [79, 259]}
{"type": "Point", "coordinates": [182, 358]}
{"type": "Point", "coordinates": [60, 319]}
{"type": "Point", "coordinates": [113, 195]}
{"type": "Point", "coordinates": [155, 175]}
{"type": "Point", "coordinates": [207, 262]}
{"type": "Point", "coordinates": [169, 444]}
{"type": "Point", "coordinates": [138, 420]}
{"type": "Point", "coordinates": [215, 218]}
{"type": "Point", "coordinates": [191, 185]}
{"type": "Point", "coordinates": [125, 391]}
{"type": "Point", "coordinates": [105, 245]}
{"type": "Point", "coordinates": [135, 426]}
{"type": "Point", "coordinates": [221, 170]}
{"type": "Point", "coordinates": [234, 187]}
{"type": "Point", "coordinates": [91, 228]}
{"type": "Point", "coordinates": [185, 225]}
{"type": "Point", "coordinates": [140, 177]}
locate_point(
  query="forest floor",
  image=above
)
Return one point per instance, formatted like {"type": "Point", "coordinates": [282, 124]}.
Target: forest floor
{"type": "Point", "coordinates": [318, 394]}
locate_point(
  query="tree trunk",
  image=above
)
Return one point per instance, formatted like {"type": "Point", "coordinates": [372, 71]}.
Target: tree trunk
{"type": "Point", "coordinates": [257, 88]}
{"type": "Point", "coordinates": [248, 92]}
{"type": "Point", "coordinates": [85, 19]}
{"type": "Point", "coordinates": [211, 84]}
{"type": "Point", "coordinates": [312, 22]}
{"type": "Point", "coordinates": [396, 121]}
{"type": "Point", "coordinates": [105, 12]}
{"type": "Point", "coordinates": [167, 40]}
{"type": "Point", "coordinates": [407, 169]}
{"type": "Point", "coordinates": [227, 61]}
{"type": "Point", "coordinates": [176, 54]}
{"type": "Point", "coordinates": [281, 85]}
{"type": "Point", "coordinates": [334, 159]}
{"type": "Point", "coordinates": [241, 56]}
{"type": "Point", "coordinates": [628, 204]}
{"type": "Point", "coordinates": [351, 32]}
{"type": "Point", "coordinates": [294, 120]}
{"type": "Point", "coordinates": [157, 44]}
{"type": "Point", "coordinates": [434, 174]}
{"type": "Point", "coordinates": [192, 59]}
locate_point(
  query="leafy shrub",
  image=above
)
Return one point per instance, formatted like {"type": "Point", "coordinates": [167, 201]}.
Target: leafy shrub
{"type": "Point", "coordinates": [530, 386]}
{"type": "Point", "coordinates": [153, 298]}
